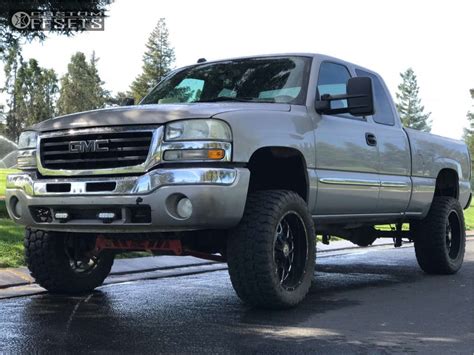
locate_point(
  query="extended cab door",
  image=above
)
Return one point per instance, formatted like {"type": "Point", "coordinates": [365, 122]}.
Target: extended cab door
{"type": "Point", "coordinates": [394, 150]}
{"type": "Point", "coordinates": [346, 153]}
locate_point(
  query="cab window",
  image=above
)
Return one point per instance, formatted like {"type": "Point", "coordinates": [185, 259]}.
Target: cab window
{"type": "Point", "coordinates": [383, 109]}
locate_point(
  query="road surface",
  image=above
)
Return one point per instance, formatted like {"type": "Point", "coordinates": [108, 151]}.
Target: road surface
{"type": "Point", "coordinates": [367, 300]}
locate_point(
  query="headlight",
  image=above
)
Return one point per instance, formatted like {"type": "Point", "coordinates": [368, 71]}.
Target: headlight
{"type": "Point", "coordinates": [27, 150]}
{"type": "Point", "coordinates": [198, 129]}
{"type": "Point", "coordinates": [27, 140]}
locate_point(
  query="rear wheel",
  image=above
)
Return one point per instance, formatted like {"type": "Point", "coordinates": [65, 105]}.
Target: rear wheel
{"type": "Point", "coordinates": [65, 262]}
{"type": "Point", "coordinates": [271, 254]}
{"type": "Point", "coordinates": [440, 238]}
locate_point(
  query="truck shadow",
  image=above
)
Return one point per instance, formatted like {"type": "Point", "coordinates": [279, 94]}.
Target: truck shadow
{"type": "Point", "coordinates": [330, 287]}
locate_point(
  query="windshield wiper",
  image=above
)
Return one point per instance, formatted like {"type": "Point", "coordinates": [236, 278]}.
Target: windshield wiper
{"type": "Point", "coordinates": [237, 99]}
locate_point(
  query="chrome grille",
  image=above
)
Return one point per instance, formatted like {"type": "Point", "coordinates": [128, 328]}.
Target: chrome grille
{"type": "Point", "coordinates": [117, 149]}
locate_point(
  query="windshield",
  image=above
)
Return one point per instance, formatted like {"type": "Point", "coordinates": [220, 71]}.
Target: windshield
{"type": "Point", "coordinates": [270, 79]}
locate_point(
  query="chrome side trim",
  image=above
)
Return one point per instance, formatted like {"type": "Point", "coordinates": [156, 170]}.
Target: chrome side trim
{"type": "Point", "coordinates": [395, 184]}
{"type": "Point", "coordinates": [364, 182]}
{"type": "Point", "coordinates": [357, 182]}
{"type": "Point", "coordinates": [413, 214]}
{"type": "Point", "coordinates": [129, 185]}
{"type": "Point", "coordinates": [358, 215]}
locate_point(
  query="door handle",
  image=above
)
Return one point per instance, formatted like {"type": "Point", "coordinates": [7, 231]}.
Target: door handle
{"type": "Point", "coordinates": [371, 139]}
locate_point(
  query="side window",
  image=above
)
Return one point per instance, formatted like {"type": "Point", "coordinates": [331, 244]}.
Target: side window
{"type": "Point", "coordinates": [332, 80]}
{"type": "Point", "coordinates": [383, 108]}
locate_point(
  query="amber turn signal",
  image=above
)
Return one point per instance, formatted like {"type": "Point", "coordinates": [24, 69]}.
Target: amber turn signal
{"type": "Point", "coordinates": [215, 154]}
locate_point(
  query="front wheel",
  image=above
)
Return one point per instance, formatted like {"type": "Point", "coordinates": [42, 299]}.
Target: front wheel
{"type": "Point", "coordinates": [65, 262]}
{"type": "Point", "coordinates": [271, 254]}
{"type": "Point", "coordinates": [440, 239]}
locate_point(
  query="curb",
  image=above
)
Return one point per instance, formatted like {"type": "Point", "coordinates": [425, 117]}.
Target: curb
{"type": "Point", "coordinates": [11, 277]}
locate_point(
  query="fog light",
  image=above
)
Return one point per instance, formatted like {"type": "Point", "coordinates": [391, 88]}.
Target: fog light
{"type": "Point", "coordinates": [184, 208]}
{"type": "Point", "coordinates": [18, 209]}
{"type": "Point", "coordinates": [106, 217]}
{"type": "Point", "coordinates": [15, 207]}
{"type": "Point", "coordinates": [61, 216]}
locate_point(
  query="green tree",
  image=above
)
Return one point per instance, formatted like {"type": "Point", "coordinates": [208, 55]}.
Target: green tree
{"type": "Point", "coordinates": [36, 90]}
{"type": "Point", "coordinates": [469, 132]}
{"type": "Point", "coordinates": [157, 61]}
{"type": "Point", "coordinates": [31, 92]}
{"type": "Point", "coordinates": [409, 104]}
{"type": "Point", "coordinates": [81, 87]}
{"type": "Point", "coordinates": [13, 61]}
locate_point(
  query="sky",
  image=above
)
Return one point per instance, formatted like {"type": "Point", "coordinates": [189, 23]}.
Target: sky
{"type": "Point", "coordinates": [435, 38]}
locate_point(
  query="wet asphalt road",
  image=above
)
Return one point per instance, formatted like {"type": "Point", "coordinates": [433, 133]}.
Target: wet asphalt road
{"type": "Point", "coordinates": [367, 301]}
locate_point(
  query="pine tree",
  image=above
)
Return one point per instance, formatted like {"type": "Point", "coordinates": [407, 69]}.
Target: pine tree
{"type": "Point", "coordinates": [100, 95]}
{"type": "Point", "coordinates": [31, 92]}
{"type": "Point", "coordinates": [81, 87]}
{"type": "Point", "coordinates": [409, 104]}
{"type": "Point", "coordinates": [469, 132]}
{"type": "Point", "coordinates": [157, 61]}
{"type": "Point", "coordinates": [36, 90]}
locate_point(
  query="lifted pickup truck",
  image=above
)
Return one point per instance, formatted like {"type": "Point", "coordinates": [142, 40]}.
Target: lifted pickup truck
{"type": "Point", "coordinates": [245, 161]}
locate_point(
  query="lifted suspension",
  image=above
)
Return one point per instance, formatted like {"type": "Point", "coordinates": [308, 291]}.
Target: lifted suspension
{"type": "Point", "coordinates": [163, 246]}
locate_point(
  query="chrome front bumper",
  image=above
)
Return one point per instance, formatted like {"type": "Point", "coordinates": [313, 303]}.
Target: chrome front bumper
{"type": "Point", "coordinates": [217, 195]}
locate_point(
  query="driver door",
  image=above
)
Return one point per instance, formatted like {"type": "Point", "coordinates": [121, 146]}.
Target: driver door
{"type": "Point", "coordinates": [346, 153]}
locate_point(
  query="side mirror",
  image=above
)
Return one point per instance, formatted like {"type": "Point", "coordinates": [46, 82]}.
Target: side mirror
{"type": "Point", "coordinates": [360, 99]}
{"type": "Point", "coordinates": [128, 101]}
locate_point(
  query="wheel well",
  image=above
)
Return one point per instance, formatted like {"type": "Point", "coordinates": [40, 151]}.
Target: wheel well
{"type": "Point", "coordinates": [278, 168]}
{"type": "Point", "coordinates": [447, 183]}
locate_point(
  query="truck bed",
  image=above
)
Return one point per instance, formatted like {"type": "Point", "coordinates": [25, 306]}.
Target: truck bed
{"type": "Point", "coordinates": [432, 153]}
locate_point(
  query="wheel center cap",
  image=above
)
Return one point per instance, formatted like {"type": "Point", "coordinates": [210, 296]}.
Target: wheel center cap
{"type": "Point", "coordinates": [286, 250]}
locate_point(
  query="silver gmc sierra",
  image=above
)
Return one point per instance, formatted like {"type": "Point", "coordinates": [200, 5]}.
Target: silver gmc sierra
{"type": "Point", "coordinates": [244, 161]}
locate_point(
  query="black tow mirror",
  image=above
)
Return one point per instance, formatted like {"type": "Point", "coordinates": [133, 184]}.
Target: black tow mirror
{"type": "Point", "coordinates": [360, 99]}
{"type": "Point", "coordinates": [128, 101]}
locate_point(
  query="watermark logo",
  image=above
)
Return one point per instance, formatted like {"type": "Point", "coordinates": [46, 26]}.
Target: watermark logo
{"type": "Point", "coordinates": [58, 21]}
{"type": "Point", "coordinates": [21, 20]}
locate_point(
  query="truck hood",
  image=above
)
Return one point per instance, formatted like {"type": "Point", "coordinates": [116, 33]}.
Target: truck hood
{"type": "Point", "coordinates": [148, 114]}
